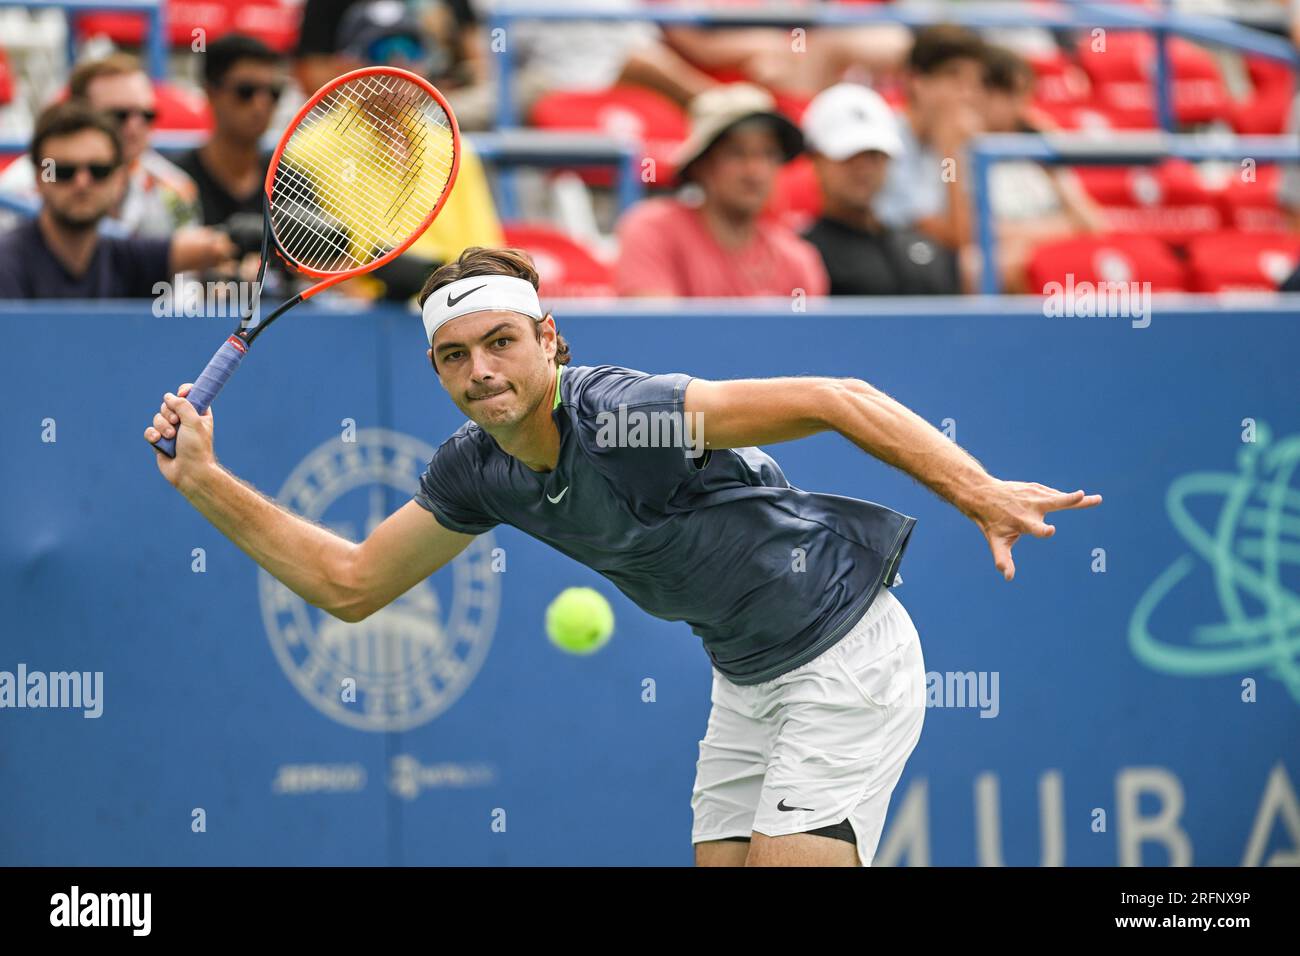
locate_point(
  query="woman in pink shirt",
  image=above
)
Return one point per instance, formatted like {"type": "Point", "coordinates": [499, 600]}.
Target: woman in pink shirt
{"type": "Point", "coordinates": [720, 246]}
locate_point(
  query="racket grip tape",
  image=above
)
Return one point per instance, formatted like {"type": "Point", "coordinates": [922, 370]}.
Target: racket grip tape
{"type": "Point", "coordinates": [221, 366]}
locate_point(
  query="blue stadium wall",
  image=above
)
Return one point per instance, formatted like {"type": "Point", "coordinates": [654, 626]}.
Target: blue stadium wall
{"type": "Point", "coordinates": [1147, 658]}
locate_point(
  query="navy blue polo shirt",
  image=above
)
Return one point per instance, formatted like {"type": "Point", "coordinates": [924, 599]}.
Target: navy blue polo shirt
{"type": "Point", "coordinates": [121, 268]}
{"type": "Point", "coordinates": [768, 575]}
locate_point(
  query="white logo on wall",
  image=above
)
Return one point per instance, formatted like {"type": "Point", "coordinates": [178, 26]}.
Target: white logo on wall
{"type": "Point", "coordinates": [411, 660]}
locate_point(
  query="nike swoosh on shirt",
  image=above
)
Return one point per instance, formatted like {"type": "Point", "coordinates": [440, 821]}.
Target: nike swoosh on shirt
{"type": "Point", "coordinates": [556, 499]}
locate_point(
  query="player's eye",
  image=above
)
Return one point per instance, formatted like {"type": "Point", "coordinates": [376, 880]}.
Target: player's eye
{"type": "Point", "coordinates": [505, 339]}
{"type": "Point", "coordinates": [452, 356]}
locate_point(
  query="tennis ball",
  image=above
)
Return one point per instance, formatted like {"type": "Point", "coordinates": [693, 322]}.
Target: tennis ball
{"type": "Point", "coordinates": [580, 621]}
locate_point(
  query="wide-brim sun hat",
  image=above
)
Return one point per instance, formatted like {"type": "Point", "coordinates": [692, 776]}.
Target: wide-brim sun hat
{"type": "Point", "coordinates": [717, 111]}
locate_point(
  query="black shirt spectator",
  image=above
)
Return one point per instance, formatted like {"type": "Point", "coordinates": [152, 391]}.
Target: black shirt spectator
{"type": "Point", "coordinates": [120, 267]}
{"type": "Point", "coordinates": [218, 203]}
{"type": "Point", "coordinates": [883, 262]}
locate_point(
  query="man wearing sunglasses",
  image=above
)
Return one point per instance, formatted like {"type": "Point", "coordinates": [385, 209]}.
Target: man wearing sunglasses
{"type": "Point", "coordinates": [244, 80]}
{"type": "Point", "coordinates": [158, 197]}
{"type": "Point", "coordinates": [61, 254]}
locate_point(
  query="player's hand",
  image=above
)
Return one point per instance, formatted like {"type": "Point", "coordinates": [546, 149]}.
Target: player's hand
{"type": "Point", "coordinates": [193, 438]}
{"type": "Point", "coordinates": [1014, 508]}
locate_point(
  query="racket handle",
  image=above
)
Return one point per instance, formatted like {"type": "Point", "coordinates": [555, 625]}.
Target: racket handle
{"type": "Point", "coordinates": [221, 366]}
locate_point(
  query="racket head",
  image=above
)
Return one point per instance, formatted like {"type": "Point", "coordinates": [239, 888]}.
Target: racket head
{"type": "Point", "coordinates": [360, 172]}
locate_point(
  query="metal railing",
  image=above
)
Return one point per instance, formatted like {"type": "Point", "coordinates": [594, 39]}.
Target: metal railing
{"type": "Point", "coordinates": [1115, 149]}
{"type": "Point", "coordinates": [155, 34]}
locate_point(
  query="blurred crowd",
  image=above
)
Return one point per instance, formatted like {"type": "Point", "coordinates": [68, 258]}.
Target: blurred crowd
{"type": "Point", "coordinates": [776, 161]}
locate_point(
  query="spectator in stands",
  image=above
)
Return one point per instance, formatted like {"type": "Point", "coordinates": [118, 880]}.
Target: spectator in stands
{"type": "Point", "coordinates": [60, 254]}
{"type": "Point", "coordinates": [852, 135]}
{"type": "Point", "coordinates": [445, 44]}
{"type": "Point", "coordinates": [159, 197]}
{"type": "Point", "coordinates": [384, 33]}
{"type": "Point", "coordinates": [1031, 204]}
{"type": "Point", "coordinates": [925, 187]}
{"type": "Point", "coordinates": [786, 62]}
{"type": "Point", "coordinates": [721, 246]}
{"type": "Point", "coordinates": [583, 55]}
{"type": "Point", "coordinates": [243, 79]}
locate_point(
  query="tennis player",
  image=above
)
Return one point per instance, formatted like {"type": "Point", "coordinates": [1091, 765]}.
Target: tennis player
{"type": "Point", "coordinates": [818, 678]}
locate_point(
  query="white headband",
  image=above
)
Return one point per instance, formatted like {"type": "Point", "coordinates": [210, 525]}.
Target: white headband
{"type": "Point", "coordinates": [479, 294]}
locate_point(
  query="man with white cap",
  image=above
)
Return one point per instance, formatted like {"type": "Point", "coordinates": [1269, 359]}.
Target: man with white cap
{"type": "Point", "coordinates": [818, 679]}
{"type": "Point", "coordinates": [721, 246]}
{"type": "Point", "coordinates": [853, 137]}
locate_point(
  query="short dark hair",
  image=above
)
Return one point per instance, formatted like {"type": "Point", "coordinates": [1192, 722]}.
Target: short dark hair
{"type": "Point", "coordinates": [481, 261]}
{"type": "Point", "coordinates": [1007, 71]}
{"type": "Point", "coordinates": [223, 54]}
{"type": "Point", "coordinates": [938, 45]}
{"type": "Point", "coordinates": [67, 118]}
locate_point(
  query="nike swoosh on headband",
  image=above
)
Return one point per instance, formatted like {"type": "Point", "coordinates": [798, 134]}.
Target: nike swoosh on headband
{"type": "Point", "coordinates": [453, 299]}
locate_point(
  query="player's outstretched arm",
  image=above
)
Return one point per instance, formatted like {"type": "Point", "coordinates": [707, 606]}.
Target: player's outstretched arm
{"type": "Point", "coordinates": [748, 412]}
{"type": "Point", "coordinates": [350, 581]}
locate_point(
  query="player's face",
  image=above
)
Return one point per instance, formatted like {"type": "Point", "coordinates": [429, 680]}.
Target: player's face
{"type": "Point", "coordinates": [76, 199]}
{"type": "Point", "coordinates": [128, 98]}
{"type": "Point", "coordinates": [494, 366]}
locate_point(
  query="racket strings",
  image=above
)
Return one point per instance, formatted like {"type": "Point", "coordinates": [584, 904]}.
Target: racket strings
{"type": "Point", "coordinates": [360, 173]}
{"type": "Point", "coordinates": [317, 230]}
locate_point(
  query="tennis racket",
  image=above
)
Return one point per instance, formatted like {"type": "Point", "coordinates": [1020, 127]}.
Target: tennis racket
{"type": "Point", "coordinates": [358, 175]}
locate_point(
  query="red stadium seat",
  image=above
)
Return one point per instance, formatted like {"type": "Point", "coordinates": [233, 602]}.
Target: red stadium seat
{"type": "Point", "coordinates": [1107, 259]}
{"type": "Point", "coordinates": [1058, 79]}
{"type": "Point", "coordinates": [1122, 76]}
{"type": "Point", "coordinates": [181, 109]}
{"type": "Point", "coordinates": [1167, 201]}
{"type": "Point", "coordinates": [567, 268]}
{"type": "Point", "coordinates": [1095, 116]}
{"type": "Point", "coordinates": [6, 81]}
{"type": "Point", "coordinates": [275, 24]}
{"type": "Point", "coordinates": [1253, 206]}
{"type": "Point", "coordinates": [1264, 112]}
{"type": "Point", "coordinates": [272, 22]}
{"type": "Point", "coordinates": [183, 18]}
{"type": "Point", "coordinates": [1131, 56]}
{"type": "Point", "coordinates": [1231, 262]}
{"type": "Point", "coordinates": [627, 112]}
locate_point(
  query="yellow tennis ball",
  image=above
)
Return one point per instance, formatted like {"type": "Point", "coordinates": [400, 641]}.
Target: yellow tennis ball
{"type": "Point", "coordinates": [580, 621]}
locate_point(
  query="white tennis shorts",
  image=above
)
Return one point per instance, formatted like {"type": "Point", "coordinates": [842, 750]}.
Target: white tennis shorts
{"type": "Point", "coordinates": [820, 744]}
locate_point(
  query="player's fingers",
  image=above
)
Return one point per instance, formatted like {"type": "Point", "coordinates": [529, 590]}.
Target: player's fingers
{"type": "Point", "coordinates": [184, 389]}
{"type": "Point", "coordinates": [168, 414]}
{"type": "Point", "coordinates": [1075, 499]}
{"type": "Point", "coordinates": [181, 407]}
{"type": "Point", "coordinates": [164, 426]}
{"type": "Point", "coordinates": [1001, 548]}
{"type": "Point", "coordinates": [151, 434]}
